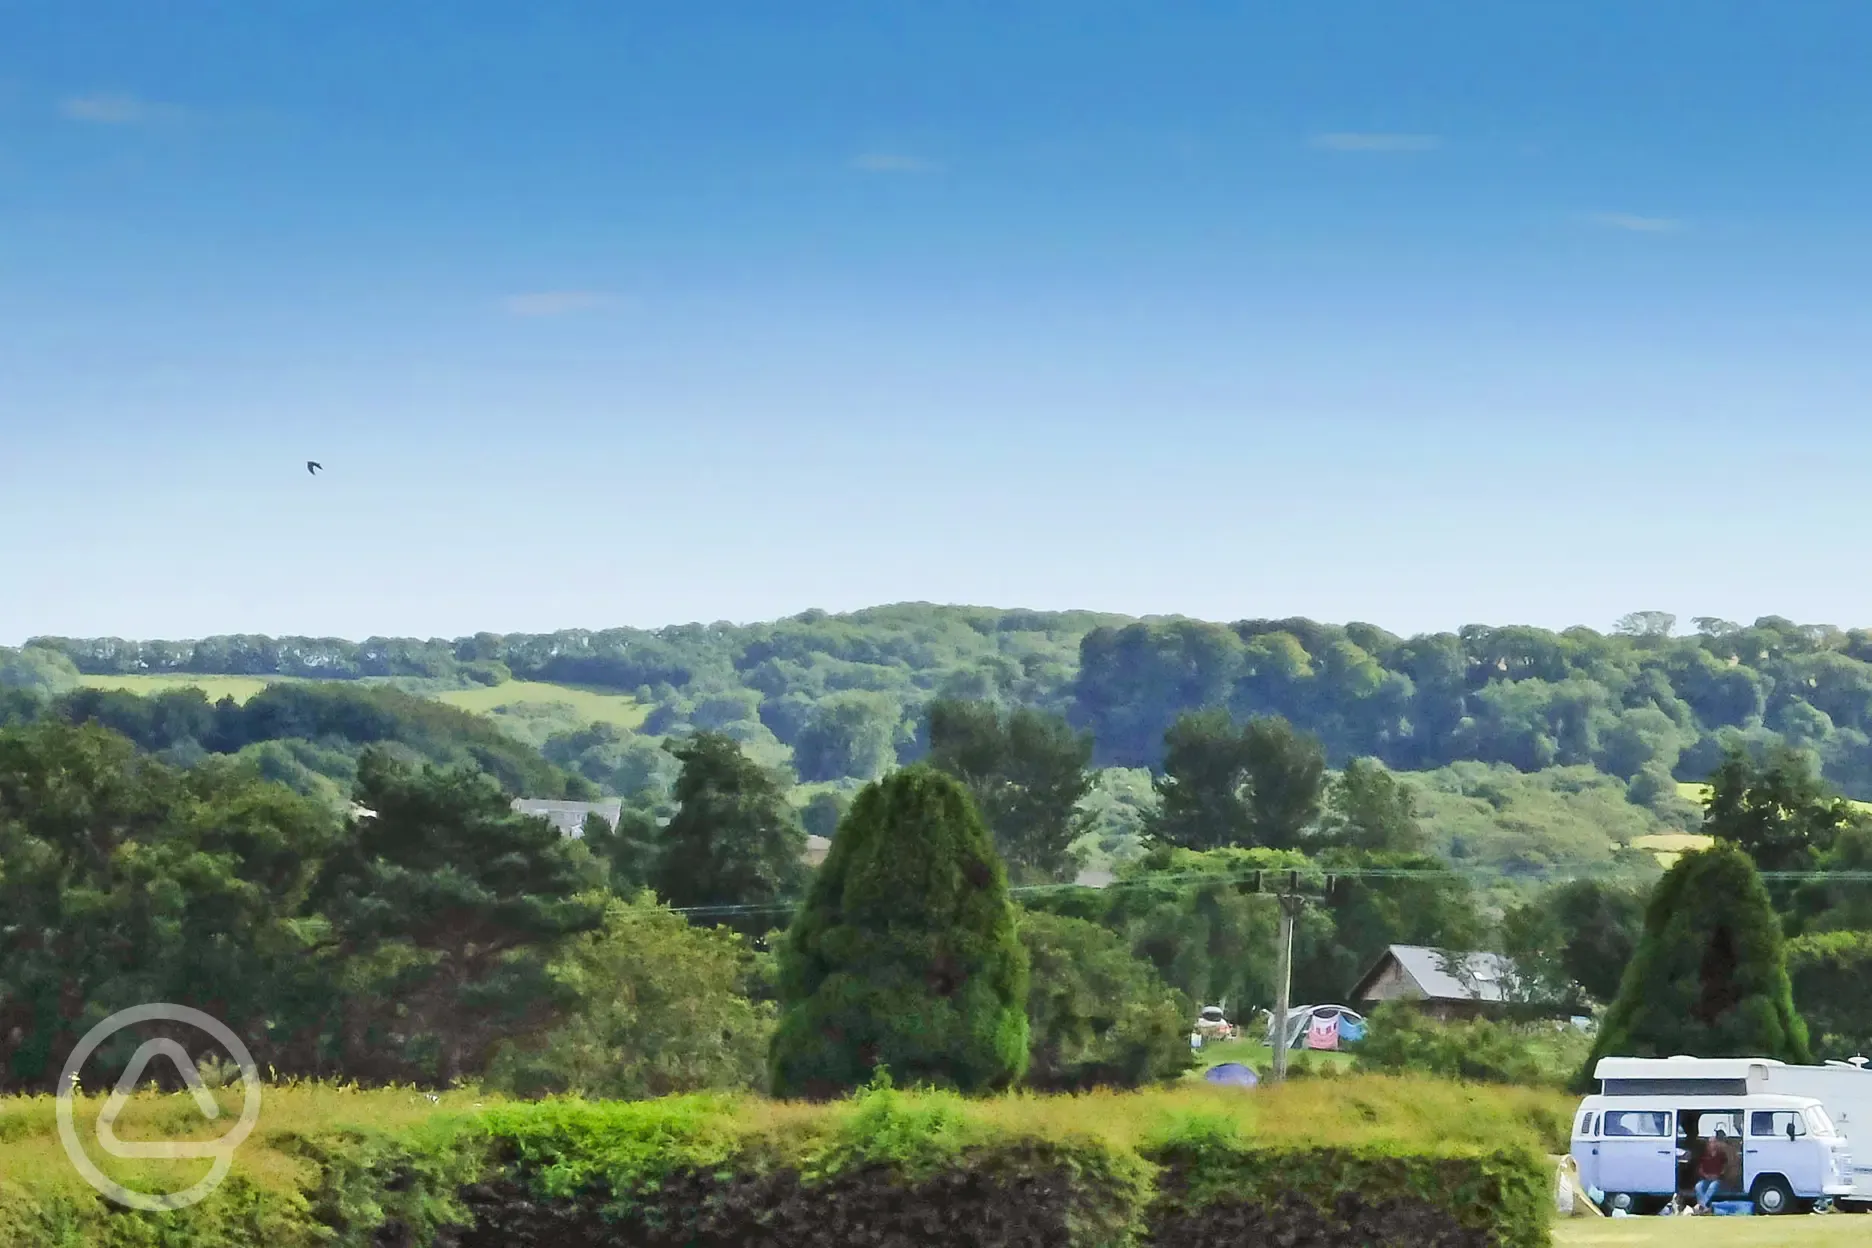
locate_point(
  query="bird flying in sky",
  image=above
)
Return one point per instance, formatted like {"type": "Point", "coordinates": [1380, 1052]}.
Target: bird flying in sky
{"type": "Point", "coordinates": [313, 466]}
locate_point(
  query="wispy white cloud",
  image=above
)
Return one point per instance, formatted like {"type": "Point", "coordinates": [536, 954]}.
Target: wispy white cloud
{"type": "Point", "coordinates": [558, 302]}
{"type": "Point", "coordinates": [116, 110]}
{"type": "Point", "coordinates": [893, 162]}
{"type": "Point", "coordinates": [1634, 223]}
{"type": "Point", "coordinates": [1364, 141]}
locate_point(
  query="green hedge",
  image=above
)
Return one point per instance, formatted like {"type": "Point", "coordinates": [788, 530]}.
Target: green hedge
{"type": "Point", "coordinates": [1327, 1162]}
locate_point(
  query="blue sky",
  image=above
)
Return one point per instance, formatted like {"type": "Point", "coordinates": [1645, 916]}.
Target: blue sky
{"type": "Point", "coordinates": [1416, 314]}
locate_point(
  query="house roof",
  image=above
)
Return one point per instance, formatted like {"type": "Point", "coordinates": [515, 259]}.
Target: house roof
{"type": "Point", "coordinates": [1487, 974]}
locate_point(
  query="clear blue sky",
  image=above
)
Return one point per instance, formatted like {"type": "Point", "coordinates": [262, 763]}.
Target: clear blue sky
{"type": "Point", "coordinates": [1418, 314]}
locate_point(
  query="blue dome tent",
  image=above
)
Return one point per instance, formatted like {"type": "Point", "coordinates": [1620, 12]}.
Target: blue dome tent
{"type": "Point", "coordinates": [1232, 1074]}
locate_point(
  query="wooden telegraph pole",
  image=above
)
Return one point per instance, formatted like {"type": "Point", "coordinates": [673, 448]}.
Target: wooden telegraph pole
{"type": "Point", "coordinates": [1283, 982]}
{"type": "Point", "coordinates": [1291, 902]}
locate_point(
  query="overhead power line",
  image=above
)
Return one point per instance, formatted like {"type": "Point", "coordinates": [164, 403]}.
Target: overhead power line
{"type": "Point", "coordinates": [1314, 875]}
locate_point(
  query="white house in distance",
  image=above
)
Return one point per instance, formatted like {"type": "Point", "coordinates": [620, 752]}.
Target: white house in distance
{"type": "Point", "coordinates": [569, 818]}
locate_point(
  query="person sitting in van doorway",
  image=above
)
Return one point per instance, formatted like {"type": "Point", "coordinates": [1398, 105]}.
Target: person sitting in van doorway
{"type": "Point", "coordinates": [1710, 1167]}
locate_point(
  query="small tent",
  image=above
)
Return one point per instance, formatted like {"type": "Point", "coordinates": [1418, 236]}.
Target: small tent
{"type": "Point", "coordinates": [1232, 1074]}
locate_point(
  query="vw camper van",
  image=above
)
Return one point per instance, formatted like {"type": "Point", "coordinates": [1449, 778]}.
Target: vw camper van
{"type": "Point", "coordinates": [1843, 1088]}
{"type": "Point", "coordinates": [1641, 1149]}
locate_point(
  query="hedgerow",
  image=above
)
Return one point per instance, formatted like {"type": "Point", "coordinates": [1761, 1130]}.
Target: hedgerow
{"type": "Point", "coordinates": [1344, 1161]}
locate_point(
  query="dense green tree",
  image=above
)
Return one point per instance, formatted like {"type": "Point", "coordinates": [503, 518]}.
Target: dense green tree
{"type": "Point", "coordinates": [342, 718]}
{"type": "Point", "coordinates": [1196, 919]}
{"type": "Point", "coordinates": [1135, 680]}
{"type": "Point", "coordinates": [1200, 794]}
{"type": "Point", "coordinates": [1580, 933]}
{"type": "Point", "coordinates": [1096, 1015]}
{"type": "Point", "coordinates": [37, 670]}
{"type": "Point", "coordinates": [445, 907]}
{"type": "Point", "coordinates": [123, 881]}
{"type": "Point", "coordinates": [1369, 808]}
{"type": "Point", "coordinates": [1440, 910]}
{"type": "Point", "coordinates": [848, 735]}
{"type": "Point", "coordinates": [734, 840]}
{"type": "Point", "coordinates": [1027, 773]}
{"type": "Point", "coordinates": [1259, 784]}
{"type": "Point", "coordinates": [1831, 973]}
{"type": "Point", "coordinates": [821, 814]}
{"type": "Point", "coordinates": [628, 850]}
{"type": "Point", "coordinates": [1709, 976]}
{"type": "Point", "coordinates": [1841, 900]}
{"type": "Point", "coordinates": [1777, 812]}
{"type": "Point", "coordinates": [906, 954]}
{"type": "Point", "coordinates": [660, 1007]}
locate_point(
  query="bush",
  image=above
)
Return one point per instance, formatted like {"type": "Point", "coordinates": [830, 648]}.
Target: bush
{"type": "Point", "coordinates": [1097, 1016]}
{"type": "Point", "coordinates": [905, 954]}
{"type": "Point", "coordinates": [1362, 1160]}
{"type": "Point", "coordinates": [1402, 1040]}
{"type": "Point", "coordinates": [663, 1007]}
{"type": "Point", "coordinates": [1832, 977]}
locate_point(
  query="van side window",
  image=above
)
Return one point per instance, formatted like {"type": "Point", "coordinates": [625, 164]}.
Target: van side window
{"type": "Point", "coordinates": [1637, 1122]}
{"type": "Point", "coordinates": [1765, 1123]}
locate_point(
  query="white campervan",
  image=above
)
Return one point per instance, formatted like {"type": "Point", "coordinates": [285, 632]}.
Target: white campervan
{"type": "Point", "coordinates": [1844, 1088]}
{"type": "Point", "coordinates": [1639, 1139]}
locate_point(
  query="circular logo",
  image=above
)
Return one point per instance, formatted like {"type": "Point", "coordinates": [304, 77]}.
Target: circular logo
{"type": "Point", "coordinates": [221, 1150]}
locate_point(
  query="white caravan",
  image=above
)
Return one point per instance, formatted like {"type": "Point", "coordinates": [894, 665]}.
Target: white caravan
{"type": "Point", "coordinates": [1845, 1088]}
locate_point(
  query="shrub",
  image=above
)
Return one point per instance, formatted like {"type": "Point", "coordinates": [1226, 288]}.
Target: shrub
{"type": "Point", "coordinates": [1402, 1040]}
{"type": "Point", "coordinates": [662, 1008]}
{"type": "Point", "coordinates": [1832, 977]}
{"type": "Point", "coordinates": [905, 954]}
{"type": "Point", "coordinates": [1362, 1160]}
{"type": "Point", "coordinates": [1095, 1014]}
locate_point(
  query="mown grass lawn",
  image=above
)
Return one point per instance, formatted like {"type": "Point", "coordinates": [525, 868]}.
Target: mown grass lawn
{"type": "Point", "coordinates": [1260, 1057]}
{"type": "Point", "coordinates": [1795, 1230]}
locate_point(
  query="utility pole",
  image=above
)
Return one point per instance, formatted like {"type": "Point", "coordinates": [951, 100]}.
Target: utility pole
{"type": "Point", "coordinates": [1283, 982]}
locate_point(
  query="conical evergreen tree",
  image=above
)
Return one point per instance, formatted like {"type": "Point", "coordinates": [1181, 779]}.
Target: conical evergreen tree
{"type": "Point", "coordinates": [906, 954]}
{"type": "Point", "coordinates": [1709, 978]}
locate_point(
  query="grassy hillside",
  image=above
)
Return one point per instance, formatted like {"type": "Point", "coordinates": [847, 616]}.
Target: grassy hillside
{"type": "Point", "coordinates": [535, 711]}
{"type": "Point", "coordinates": [1641, 703]}
{"type": "Point", "coordinates": [1487, 816]}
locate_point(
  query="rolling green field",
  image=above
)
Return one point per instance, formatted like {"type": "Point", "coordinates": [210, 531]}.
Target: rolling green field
{"type": "Point", "coordinates": [588, 705]}
{"type": "Point", "coordinates": [567, 704]}
{"type": "Point", "coordinates": [240, 688]}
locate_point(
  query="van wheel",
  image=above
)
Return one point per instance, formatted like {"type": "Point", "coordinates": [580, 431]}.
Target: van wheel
{"type": "Point", "coordinates": [1772, 1195]}
{"type": "Point", "coordinates": [1621, 1200]}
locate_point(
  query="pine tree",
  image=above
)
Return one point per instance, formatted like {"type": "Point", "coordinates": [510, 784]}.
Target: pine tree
{"type": "Point", "coordinates": [906, 954]}
{"type": "Point", "coordinates": [735, 840]}
{"type": "Point", "coordinates": [1709, 977]}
